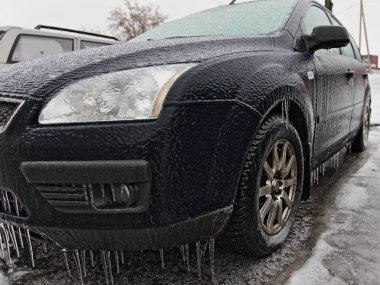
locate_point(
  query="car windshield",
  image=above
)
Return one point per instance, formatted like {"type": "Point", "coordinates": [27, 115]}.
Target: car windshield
{"type": "Point", "coordinates": [245, 19]}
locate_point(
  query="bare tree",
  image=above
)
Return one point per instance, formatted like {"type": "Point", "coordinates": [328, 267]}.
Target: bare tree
{"type": "Point", "coordinates": [134, 19]}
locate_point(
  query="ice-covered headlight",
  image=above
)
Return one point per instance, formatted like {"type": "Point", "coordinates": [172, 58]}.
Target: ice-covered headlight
{"type": "Point", "coordinates": [136, 94]}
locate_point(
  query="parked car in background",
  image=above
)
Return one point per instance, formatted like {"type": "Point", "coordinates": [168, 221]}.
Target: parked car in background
{"type": "Point", "coordinates": [18, 44]}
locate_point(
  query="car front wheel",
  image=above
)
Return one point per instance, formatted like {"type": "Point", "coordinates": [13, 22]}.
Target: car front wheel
{"type": "Point", "coordinates": [270, 190]}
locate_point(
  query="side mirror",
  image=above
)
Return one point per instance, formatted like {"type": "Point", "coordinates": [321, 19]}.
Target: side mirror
{"type": "Point", "coordinates": [325, 37]}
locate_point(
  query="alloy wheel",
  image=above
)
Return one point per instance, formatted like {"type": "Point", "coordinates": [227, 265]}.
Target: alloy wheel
{"type": "Point", "coordinates": [278, 186]}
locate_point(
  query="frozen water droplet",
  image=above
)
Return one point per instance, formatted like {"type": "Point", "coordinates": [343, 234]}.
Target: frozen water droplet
{"type": "Point", "coordinates": [162, 257]}
{"type": "Point", "coordinates": [199, 259]}
{"type": "Point", "coordinates": [30, 247]}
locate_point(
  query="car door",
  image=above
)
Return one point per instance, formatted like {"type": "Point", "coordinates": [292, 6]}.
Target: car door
{"type": "Point", "coordinates": [360, 85]}
{"type": "Point", "coordinates": [359, 78]}
{"type": "Point", "coordinates": [334, 91]}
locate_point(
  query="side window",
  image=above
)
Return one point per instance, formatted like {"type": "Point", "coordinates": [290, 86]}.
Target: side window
{"type": "Point", "coordinates": [356, 49]}
{"type": "Point", "coordinates": [88, 44]}
{"type": "Point", "coordinates": [315, 17]}
{"type": "Point", "coordinates": [349, 51]}
{"type": "Point", "coordinates": [29, 47]}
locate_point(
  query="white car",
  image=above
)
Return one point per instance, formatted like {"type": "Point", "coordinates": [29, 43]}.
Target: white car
{"type": "Point", "coordinates": [18, 44]}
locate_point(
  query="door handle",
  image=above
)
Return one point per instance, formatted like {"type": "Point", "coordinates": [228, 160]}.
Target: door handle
{"type": "Point", "coordinates": [350, 74]}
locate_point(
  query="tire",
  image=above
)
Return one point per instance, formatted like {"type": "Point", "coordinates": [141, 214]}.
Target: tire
{"type": "Point", "coordinates": [246, 232]}
{"type": "Point", "coordinates": [361, 141]}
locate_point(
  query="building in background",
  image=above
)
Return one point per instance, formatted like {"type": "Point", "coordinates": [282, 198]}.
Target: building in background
{"type": "Point", "coordinates": [372, 60]}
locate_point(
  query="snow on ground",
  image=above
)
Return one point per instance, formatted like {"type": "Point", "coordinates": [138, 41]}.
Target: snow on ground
{"type": "Point", "coordinates": [375, 85]}
{"type": "Point", "coordinates": [348, 252]}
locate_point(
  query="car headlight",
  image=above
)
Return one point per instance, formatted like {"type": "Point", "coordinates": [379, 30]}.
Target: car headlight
{"type": "Point", "coordinates": [136, 94]}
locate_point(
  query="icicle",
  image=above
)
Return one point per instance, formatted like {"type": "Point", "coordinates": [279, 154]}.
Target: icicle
{"type": "Point", "coordinates": [104, 262]}
{"type": "Point", "coordinates": [117, 262]}
{"type": "Point", "coordinates": [204, 248]}
{"type": "Point", "coordinates": [20, 238]}
{"type": "Point", "coordinates": [199, 258]}
{"type": "Point", "coordinates": [162, 257]}
{"type": "Point", "coordinates": [4, 202]}
{"type": "Point", "coordinates": [2, 245]}
{"type": "Point", "coordinates": [78, 264]}
{"type": "Point", "coordinates": [6, 237]}
{"type": "Point", "coordinates": [110, 265]}
{"type": "Point", "coordinates": [14, 240]}
{"type": "Point", "coordinates": [45, 248]}
{"type": "Point", "coordinates": [30, 247]}
{"type": "Point", "coordinates": [7, 202]}
{"type": "Point", "coordinates": [312, 178]}
{"type": "Point", "coordinates": [64, 251]}
{"type": "Point", "coordinates": [211, 249]}
{"type": "Point", "coordinates": [92, 259]}
{"type": "Point", "coordinates": [187, 251]}
{"type": "Point", "coordinates": [15, 202]}
{"type": "Point", "coordinates": [182, 249]}
{"type": "Point", "coordinates": [317, 177]}
{"type": "Point", "coordinates": [122, 257]}
{"type": "Point", "coordinates": [84, 263]}
{"type": "Point", "coordinates": [337, 160]}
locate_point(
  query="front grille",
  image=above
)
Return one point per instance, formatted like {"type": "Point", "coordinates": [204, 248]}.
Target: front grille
{"type": "Point", "coordinates": [11, 205]}
{"type": "Point", "coordinates": [88, 198]}
{"type": "Point", "coordinates": [8, 108]}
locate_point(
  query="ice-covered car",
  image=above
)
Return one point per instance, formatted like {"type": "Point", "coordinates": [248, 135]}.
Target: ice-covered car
{"type": "Point", "coordinates": [18, 44]}
{"type": "Point", "coordinates": [214, 124]}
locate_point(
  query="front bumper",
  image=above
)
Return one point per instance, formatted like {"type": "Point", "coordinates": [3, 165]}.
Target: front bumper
{"type": "Point", "coordinates": [185, 167]}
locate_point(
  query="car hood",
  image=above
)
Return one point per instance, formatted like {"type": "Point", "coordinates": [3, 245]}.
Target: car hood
{"type": "Point", "coordinates": [42, 77]}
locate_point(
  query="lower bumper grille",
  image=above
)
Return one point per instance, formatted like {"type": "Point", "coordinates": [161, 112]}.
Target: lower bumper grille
{"type": "Point", "coordinates": [89, 198]}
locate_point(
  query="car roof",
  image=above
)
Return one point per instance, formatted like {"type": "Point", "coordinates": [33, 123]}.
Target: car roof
{"type": "Point", "coordinates": [61, 33]}
{"type": "Point", "coordinates": [8, 28]}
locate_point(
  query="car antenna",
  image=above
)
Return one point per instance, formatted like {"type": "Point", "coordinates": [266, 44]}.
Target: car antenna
{"type": "Point", "coordinates": [232, 2]}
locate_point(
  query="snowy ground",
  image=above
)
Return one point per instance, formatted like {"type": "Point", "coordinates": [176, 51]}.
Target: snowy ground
{"type": "Point", "coordinates": [348, 251]}
{"type": "Point", "coordinates": [375, 85]}
{"type": "Point", "coordinates": [335, 240]}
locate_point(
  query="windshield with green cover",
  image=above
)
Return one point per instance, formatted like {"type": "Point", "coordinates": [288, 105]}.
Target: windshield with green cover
{"type": "Point", "coordinates": [245, 19]}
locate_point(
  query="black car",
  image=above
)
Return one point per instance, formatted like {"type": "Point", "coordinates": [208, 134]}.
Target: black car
{"type": "Point", "coordinates": [213, 125]}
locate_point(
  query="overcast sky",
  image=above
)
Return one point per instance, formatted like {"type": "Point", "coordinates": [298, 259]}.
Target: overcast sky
{"type": "Point", "coordinates": [92, 14]}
